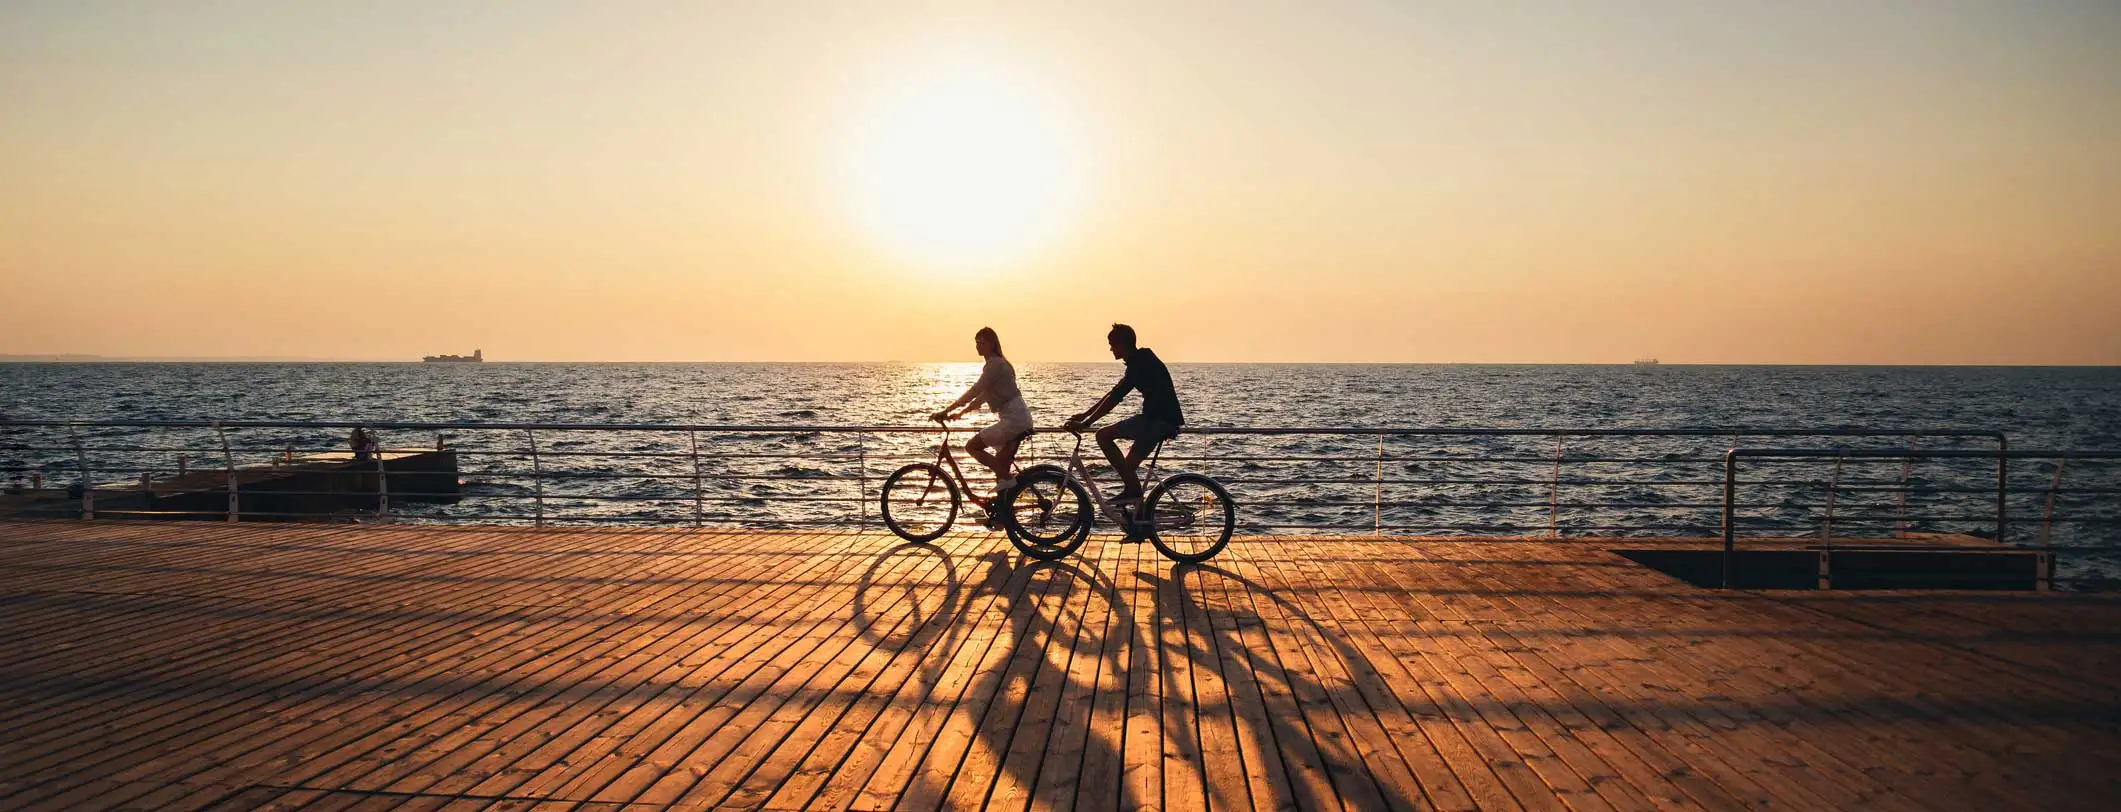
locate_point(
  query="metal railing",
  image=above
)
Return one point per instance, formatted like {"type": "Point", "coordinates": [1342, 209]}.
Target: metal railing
{"type": "Point", "coordinates": [1531, 482]}
{"type": "Point", "coordinates": [2106, 515]}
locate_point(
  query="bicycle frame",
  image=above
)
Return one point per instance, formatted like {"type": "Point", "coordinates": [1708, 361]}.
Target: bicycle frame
{"type": "Point", "coordinates": [944, 457]}
{"type": "Point", "coordinates": [1079, 472]}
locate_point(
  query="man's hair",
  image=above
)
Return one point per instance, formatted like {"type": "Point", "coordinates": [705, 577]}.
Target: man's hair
{"type": "Point", "coordinates": [1122, 334]}
{"type": "Point", "coordinates": [987, 334]}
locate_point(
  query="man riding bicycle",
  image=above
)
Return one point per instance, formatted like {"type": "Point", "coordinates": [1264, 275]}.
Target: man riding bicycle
{"type": "Point", "coordinates": [1159, 420]}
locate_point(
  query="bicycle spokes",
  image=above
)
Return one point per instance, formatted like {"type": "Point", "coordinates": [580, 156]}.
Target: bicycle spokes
{"type": "Point", "coordinates": [934, 486]}
{"type": "Point", "coordinates": [1047, 515]}
{"type": "Point", "coordinates": [1190, 517]}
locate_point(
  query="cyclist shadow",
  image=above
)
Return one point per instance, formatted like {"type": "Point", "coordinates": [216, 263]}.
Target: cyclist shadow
{"type": "Point", "coordinates": [890, 585]}
{"type": "Point", "coordinates": [1308, 759]}
{"type": "Point", "coordinates": [1051, 707]}
{"type": "Point", "coordinates": [1031, 712]}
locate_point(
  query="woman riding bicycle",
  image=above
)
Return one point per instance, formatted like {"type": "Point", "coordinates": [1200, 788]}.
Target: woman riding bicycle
{"type": "Point", "coordinates": [996, 388]}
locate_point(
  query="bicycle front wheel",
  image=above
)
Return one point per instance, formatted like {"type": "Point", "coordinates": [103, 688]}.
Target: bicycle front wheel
{"type": "Point", "coordinates": [1047, 514]}
{"type": "Point", "coordinates": [919, 502]}
{"type": "Point", "coordinates": [1189, 517]}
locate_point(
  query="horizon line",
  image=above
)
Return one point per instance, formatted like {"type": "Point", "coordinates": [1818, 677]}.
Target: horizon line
{"type": "Point", "coordinates": [83, 358]}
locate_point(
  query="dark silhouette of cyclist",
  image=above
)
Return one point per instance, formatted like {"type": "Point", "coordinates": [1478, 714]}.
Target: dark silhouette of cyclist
{"type": "Point", "coordinates": [1159, 420]}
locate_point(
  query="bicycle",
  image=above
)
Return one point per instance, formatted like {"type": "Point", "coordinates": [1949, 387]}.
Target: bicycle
{"type": "Point", "coordinates": [911, 503]}
{"type": "Point", "coordinates": [1188, 517]}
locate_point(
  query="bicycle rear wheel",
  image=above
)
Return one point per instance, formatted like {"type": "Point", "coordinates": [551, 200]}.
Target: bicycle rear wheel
{"type": "Point", "coordinates": [919, 502]}
{"type": "Point", "coordinates": [1047, 514]}
{"type": "Point", "coordinates": [1189, 517]}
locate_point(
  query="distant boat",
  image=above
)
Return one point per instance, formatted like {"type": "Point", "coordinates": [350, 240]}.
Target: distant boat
{"type": "Point", "coordinates": [476, 356]}
{"type": "Point", "coordinates": [1645, 362]}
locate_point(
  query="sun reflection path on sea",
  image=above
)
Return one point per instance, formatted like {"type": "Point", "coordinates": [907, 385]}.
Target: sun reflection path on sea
{"type": "Point", "coordinates": [942, 383]}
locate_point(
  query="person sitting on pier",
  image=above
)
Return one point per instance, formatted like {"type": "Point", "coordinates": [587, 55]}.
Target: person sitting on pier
{"type": "Point", "coordinates": [996, 388]}
{"type": "Point", "coordinates": [362, 443]}
{"type": "Point", "coordinates": [1159, 420]}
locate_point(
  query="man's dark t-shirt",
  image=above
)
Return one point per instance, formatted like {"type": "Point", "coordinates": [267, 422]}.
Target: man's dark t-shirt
{"type": "Point", "coordinates": [1147, 373]}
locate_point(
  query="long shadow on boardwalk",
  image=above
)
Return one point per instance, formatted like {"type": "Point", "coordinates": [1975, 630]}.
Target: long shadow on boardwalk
{"type": "Point", "coordinates": [1036, 723]}
{"type": "Point", "coordinates": [972, 676]}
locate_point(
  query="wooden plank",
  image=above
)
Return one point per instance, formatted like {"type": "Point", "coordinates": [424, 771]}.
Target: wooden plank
{"type": "Point", "coordinates": [335, 747]}
{"type": "Point", "coordinates": [1393, 782]}
{"type": "Point", "coordinates": [329, 726]}
{"type": "Point", "coordinates": [902, 758]}
{"type": "Point", "coordinates": [984, 712]}
{"type": "Point", "coordinates": [1416, 581]}
{"type": "Point", "coordinates": [1618, 776]}
{"type": "Point", "coordinates": [862, 749]}
{"type": "Point", "coordinates": [1141, 779]}
{"type": "Point", "coordinates": [980, 773]}
{"type": "Point", "coordinates": [758, 678]}
{"type": "Point", "coordinates": [695, 679]}
{"type": "Point", "coordinates": [652, 667]}
{"type": "Point", "coordinates": [1288, 746]}
{"type": "Point", "coordinates": [1872, 679]}
{"type": "Point", "coordinates": [1759, 752]}
{"type": "Point", "coordinates": [141, 733]}
{"type": "Point", "coordinates": [1261, 781]}
{"type": "Point", "coordinates": [1034, 754]}
{"type": "Point", "coordinates": [854, 665]}
{"type": "Point", "coordinates": [1185, 782]}
{"type": "Point", "coordinates": [449, 667]}
{"type": "Point", "coordinates": [1223, 764]}
{"type": "Point", "coordinates": [1873, 675]}
{"type": "Point", "coordinates": [828, 737]}
{"type": "Point", "coordinates": [1099, 786]}
{"type": "Point", "coordinates": [1096, 669]}
{"type": "Point", "coordinates": [1428, 735]}
{"type": "Point", "coordinates": [1327, 770]}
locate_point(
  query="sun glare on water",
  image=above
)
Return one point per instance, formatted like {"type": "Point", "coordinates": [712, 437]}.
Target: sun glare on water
{"type": "Point", "coordinates": [963, 167]}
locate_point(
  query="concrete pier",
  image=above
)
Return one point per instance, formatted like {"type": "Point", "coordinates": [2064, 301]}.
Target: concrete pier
{"type": "Point", "coordinates": [310, 487]}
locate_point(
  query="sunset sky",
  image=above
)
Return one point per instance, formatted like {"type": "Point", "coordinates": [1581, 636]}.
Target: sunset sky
{"type": "Point", "coordinates": [1774, 182]}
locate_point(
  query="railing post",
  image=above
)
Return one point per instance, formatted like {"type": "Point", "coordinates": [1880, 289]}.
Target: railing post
{"type": "Point", "coordinates": [382, 475]}
{"type": "Point", "coordinates": [1907, 465]}
{"type": "Point", "coordinates": [88, 489]}
{"type": "Point", "coordinates": [2003, 478]}
{"type": "Point", "coordinates": [1730, 527]}
{"type": "Point", "coordinates": [228, 464]}
{"type": "Point", "coordinates": [2047, 520]}
{"type": "Point", "coordinates": [1554, 494]}
{"type": "Point", "coordinates": [698, 484]}
{"type": "Point", "coordinates": [861, 481]}
{"type": "Point", "coordinates": [1379, 497]}
{"type": "Point", "coordinates": [537, 477]}
{"type": "Point", "coordinates": [1833, 488]}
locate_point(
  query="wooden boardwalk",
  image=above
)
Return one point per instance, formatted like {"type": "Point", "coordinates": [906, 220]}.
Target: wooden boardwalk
{"type": "Point", "coordinates": [245, 666]}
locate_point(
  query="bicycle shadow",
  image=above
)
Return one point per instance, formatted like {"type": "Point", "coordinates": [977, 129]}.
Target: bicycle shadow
{"type": "Point", "coordinates": [1014, 624]}
{"type": "Point", "coordinates": [1053, 712]}
{"type": "Point", "coordinates": [1316, 759]}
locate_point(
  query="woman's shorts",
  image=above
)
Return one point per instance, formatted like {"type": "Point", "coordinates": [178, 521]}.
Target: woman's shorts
{"type": "Point", "coordinates": [1015, 422]}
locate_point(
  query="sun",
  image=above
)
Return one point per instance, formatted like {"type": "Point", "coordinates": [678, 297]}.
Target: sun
{"type": "Point", "coordinates": [963, 167]}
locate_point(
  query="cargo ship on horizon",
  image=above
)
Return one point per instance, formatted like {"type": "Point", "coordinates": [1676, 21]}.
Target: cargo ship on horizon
{"type": "Point", "coordinates": [476, 356]}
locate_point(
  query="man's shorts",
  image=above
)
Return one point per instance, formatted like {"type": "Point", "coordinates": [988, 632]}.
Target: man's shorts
{"type": "Point", "coordinates": [1142, 428]}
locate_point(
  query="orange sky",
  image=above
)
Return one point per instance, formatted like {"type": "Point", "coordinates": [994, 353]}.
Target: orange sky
{"type": "Point", "coordinates": [1747, 183]}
